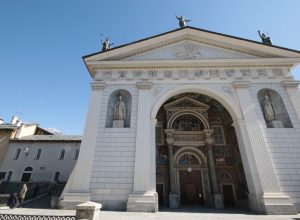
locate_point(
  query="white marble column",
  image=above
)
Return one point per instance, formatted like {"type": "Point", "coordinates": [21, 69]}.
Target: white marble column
{"type": "Point", "coordinates": [79, 182]}
{"type": "Point", "coordinates": [273, 200]}
{"type": "Point", "coordinates": [294, 94]}
{"type": "Point", "coordinates": [142, 198]}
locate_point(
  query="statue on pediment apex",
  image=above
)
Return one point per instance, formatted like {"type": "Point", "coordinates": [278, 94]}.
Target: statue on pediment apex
{"type": "Point", "coordinates": [182, 21]}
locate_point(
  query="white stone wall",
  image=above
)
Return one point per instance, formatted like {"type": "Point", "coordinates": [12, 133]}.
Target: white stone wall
{"type": "Point", "coordinates": [113, 165]}
{"type": "Point", "coordinates": [45, 167]}
{"type": "Point", "coordinates": [283, 144]}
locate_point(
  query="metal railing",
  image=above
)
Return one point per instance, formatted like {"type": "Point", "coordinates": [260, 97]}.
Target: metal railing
{"type": "Point", "coordinates": [34, 217]}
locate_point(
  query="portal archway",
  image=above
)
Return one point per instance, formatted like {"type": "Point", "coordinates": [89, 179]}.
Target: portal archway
{"type": "Point", "coordinates": [187, 160]}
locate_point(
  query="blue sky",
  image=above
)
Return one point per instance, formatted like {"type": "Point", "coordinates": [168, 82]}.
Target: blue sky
{"type": "Point", "coordinates": [43, 78]}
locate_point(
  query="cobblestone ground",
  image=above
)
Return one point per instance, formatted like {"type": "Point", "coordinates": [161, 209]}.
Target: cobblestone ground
{"type": "Point", "coordinates": [163, 215]}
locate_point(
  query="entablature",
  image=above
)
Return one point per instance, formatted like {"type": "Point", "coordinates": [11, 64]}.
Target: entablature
{"type": "Point", "coordinates": [256, 73]}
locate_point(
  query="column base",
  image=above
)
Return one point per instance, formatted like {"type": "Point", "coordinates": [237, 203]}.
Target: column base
{"type": "Point", "coordinates": [254, 203]}
{"type": "Point", "coordinates": [70, 200]}
{"type": "Point", "coordinates": [218, 201]}
{"type": "Point", "coordinates": [142, 202]}
{"type": "Point", "coordinates": [173, 200]}
{"type": "Point", "coordinates": [278, 204]}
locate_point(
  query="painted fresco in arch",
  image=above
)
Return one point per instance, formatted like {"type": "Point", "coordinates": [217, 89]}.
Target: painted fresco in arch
{"type": "Point", "coordinates": [189, 50]}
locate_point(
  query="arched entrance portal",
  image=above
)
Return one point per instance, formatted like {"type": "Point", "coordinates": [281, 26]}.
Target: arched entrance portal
{"type": "Point", "coordinates": [197, 155]}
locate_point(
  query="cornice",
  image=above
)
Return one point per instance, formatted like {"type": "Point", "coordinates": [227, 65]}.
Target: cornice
{"type": "Point", "coordinates": [295, 83]}
{"type": "Point", "coordinates": [178, 64]}
{"type": "Point", "coordinates": [98, 85]}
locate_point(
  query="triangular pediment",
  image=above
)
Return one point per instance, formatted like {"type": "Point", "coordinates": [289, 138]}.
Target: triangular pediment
{"type": "Point", "coordinates": [186, 103]}
{"type": "Point", "coordinates": [189, 50]}
{"type": "Point", "coordinates": [191, 43]}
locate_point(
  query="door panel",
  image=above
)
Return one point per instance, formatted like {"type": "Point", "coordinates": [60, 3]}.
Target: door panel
{"type": "Point", "coordinates": [228, 195]}
{"type": "Point", "coordinates": [191, 191]}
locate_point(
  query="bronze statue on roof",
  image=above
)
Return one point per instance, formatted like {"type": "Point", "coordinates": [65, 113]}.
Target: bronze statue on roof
{"type": "Point", "coordinates": [182, 21]}
{"type": "Point", "coordinates": [265, 39]}
{"type": "Point", "coordinates": [106, 44]}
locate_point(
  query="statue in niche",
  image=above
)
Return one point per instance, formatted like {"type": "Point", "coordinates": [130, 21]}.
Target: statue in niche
{"type": "Point", "coordinates": [182, 21]}
{"type": "Point", "coordinates": [119, 113]}
{"type": "Point", "coordinates": [265, 39]}
{"type": "Point", "coordinates": [268, 109]}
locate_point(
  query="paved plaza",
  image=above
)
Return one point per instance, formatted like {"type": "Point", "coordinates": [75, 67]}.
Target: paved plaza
{"type": "Point", "coordinates": [181, 214]}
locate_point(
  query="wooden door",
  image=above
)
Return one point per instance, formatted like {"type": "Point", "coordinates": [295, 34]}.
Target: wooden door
{"type": "Point", "coordinates": [191, 191]}
{"type": "Point", "coordinates": [228, 195]}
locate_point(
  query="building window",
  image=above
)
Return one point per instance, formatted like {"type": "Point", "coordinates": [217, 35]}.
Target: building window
{"type": "Point", "coordinates": [218, 135]}
{"type": "Point", "coordinates": [38, 154]}
{"type": "Point", "coordinates": [56, 176]}
{"type": "Point", "coordinates": [76, 154]}
{"type": "Point", "coordinates": [17, 154]}
{"type": "Point", "coordinates": [62, 154]}
{"type": "Point", "coordinates": [9, 175]}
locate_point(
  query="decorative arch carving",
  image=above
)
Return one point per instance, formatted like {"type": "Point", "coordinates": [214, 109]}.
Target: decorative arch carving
{"type": "Point", "coordinates": [193, 151]}
{"type": "Point", "coordinates": [196, 114]}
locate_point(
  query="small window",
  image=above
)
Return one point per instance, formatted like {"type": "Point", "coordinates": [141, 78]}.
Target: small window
{"type": "Point", "coordinates": [56, 176]}
{"type": "Point", "coordinates": [62, 154]}
{"type": "Point", "coordinates": [17, 154]}
{"type": "Point", "coordinates": [38, 154]}
{"type": "Point", "coordinates": [218, 135]}
{"type": "Point", "coordinates": [9, 175]}
{"type": "Point", "coordinates": [76, 154]}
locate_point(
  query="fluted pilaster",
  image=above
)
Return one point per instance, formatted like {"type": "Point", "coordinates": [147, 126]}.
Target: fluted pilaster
{"type": "Point", "coordinates": [266, 173]}
{"type": "Point", "coordinates": [144, 197]}
{"type": "Point", "coordinates": [294, 94]}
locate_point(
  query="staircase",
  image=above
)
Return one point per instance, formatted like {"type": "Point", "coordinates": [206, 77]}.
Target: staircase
{"type": "Point", "coordinates": [42, 202]}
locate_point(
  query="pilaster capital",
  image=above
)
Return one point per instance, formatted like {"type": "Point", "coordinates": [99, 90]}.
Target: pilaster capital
{"type": "Point", "coordinates": [209, 142]}
{"type": "Point", "coordinates": [238, 123]}
{"type": "Point", "coordinates": [241, 84]}
{"type": "Point", "coordinates": [153, 121]}
{"type": "Point", "coordinates": [144, 85]}
{"type": "Point", "coordinates": [208, 132]}
{"type": "Point", "coordinates": [294, 83]}
{"type": "Point", "coordinates": [98, 85]}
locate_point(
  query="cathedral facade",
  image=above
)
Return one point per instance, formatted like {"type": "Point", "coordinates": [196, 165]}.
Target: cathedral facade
{"type": "Point", "coordinates": [191, 117]}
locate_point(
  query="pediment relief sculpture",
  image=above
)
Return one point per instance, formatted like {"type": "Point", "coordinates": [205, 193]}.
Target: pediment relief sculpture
{"type": "Point", "coordinates": [186, 103]}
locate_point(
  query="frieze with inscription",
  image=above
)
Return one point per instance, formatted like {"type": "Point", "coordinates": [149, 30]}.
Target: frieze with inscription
{"type": "Point", "coordinates": [192, 74]}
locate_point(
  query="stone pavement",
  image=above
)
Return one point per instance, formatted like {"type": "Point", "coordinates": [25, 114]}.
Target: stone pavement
{"type": "Point", "coordinates": [163, 215]}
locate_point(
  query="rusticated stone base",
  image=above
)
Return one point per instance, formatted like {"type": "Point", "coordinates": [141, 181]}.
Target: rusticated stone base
{"type": "Point", "coordinates": [142, 202]}
{"type": "Point", "coordinates": [71, 200]}
{"type": "Point", "coordinates": [278, 204]}
{"type": "Point", "coordinates": [173, 200]}
{"type": "Point", "coordinates": [218, 201]}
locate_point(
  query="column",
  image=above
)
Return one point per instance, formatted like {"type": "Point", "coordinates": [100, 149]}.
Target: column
{"type": "Point", "coordinates": [143, 198]}
{"type": "Point", "coordinates": [218, 201]}
{"type": "Point", "coordinates": [77, 188]}
{"type": "Point", "coordinates": [273, 200]}
{"type": "Point", "coordinates": [294, 94]}
{"type": "Point", "coordinates": [173, 196]}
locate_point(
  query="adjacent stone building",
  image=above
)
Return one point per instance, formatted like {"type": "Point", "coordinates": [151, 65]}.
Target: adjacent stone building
{"type": "Point", "coordinates": [191, 117]}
